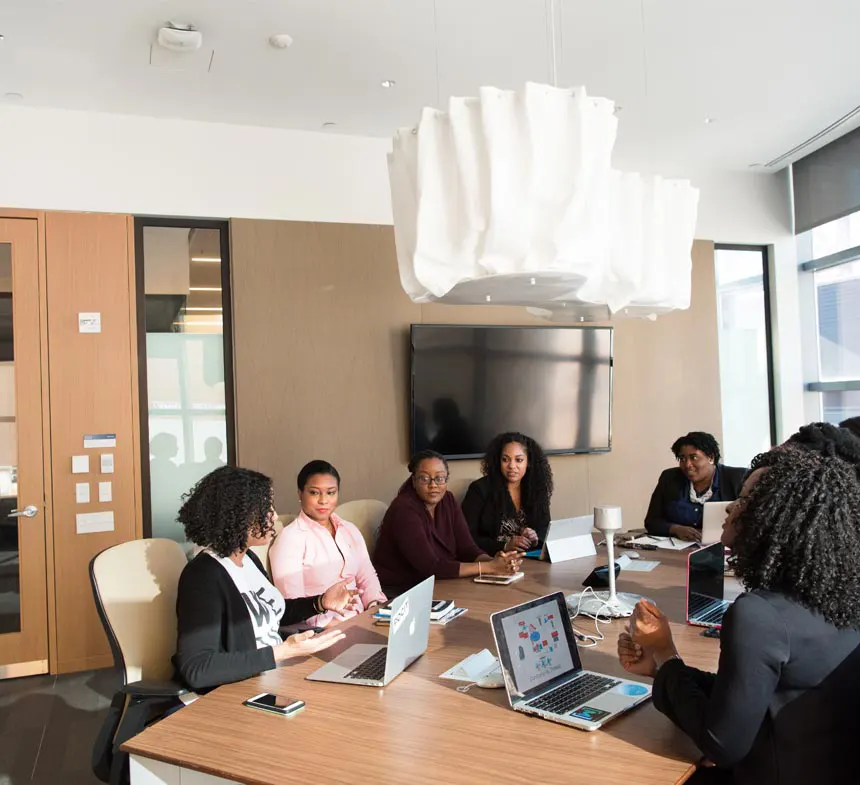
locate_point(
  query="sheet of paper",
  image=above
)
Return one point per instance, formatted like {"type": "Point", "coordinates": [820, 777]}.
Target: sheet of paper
{"type": "Point", "coordinates": [105, 492]}
{"type": "Point", "coordinates": [641, 565]}
{"type": "Point", "coordinates": [93, 522]}
{"type": "Point", "coordinates": [474, 667]}
{"type": "Point", "coordinates": [82, 492]}
{"type": "Point", "coordinates": [666, 543]}
{"type": "Point", "coordinates": [107, 463]}
{"type": "Point", "coordinates": [80, 464]}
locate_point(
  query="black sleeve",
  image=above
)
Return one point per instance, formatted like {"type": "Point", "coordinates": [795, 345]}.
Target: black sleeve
{"type": "Point", "coordinates": [474, 505]}
{"type": "Point", "coordinates": [725, 720]}
{"type": "Point", "coordinates": [655, 521]}
{"type": "Point", "coordinates": [200, 658]}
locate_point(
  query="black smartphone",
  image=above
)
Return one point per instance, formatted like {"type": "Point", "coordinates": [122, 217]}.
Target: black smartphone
{"type": "Point", "coordinates": [276, 704]}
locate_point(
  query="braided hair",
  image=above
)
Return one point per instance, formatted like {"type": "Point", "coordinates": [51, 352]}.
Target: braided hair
{"type": "Point", "coordinates": [827, 439]}
{"type": "Point", "coordinates": [537, 484]}
{"type": "Point", "coordinates": [799, 530]}
{"type": "Point", "coordinates": [225, 507]}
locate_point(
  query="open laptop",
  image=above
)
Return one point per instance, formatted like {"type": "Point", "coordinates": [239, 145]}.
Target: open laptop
{"type": "Point", "coordinates": [713, 518]}
{"type": "Point", "coordinates": [374, 665]}
{"type": "Point", "coordinates": [566, 538]}
{"type": "Point", "coordinates": [706, 579]}
{"type": "Point", "coordinates": [543, 673]}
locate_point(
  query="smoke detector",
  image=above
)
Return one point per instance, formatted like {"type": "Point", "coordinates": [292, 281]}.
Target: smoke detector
{"type": "Point", "coordinates": [180, 37]}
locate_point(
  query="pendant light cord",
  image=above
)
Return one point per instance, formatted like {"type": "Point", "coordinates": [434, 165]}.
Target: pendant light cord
{"type": "Point", "coordinates": [552, 35]}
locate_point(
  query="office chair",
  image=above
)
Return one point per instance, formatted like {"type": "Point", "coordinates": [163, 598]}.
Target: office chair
{"type": "Point", "coordinates": [458, 487]}
{"type": "Point", "coordinates": [367, 516]}
{"type": "Point", "coordinates": [134, 586]}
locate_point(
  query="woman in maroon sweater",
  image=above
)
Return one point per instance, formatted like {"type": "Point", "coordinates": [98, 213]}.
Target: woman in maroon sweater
{"type": "Point", "coordinates": [424, 533]}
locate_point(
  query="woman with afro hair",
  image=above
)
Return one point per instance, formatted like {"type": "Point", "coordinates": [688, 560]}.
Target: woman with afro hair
{"type": "Point", "coordinates": [229, 613]}
{"type": "Point", "coordinates": [508, 508]}
{"type": "Point", "coordinates": [781, 707]}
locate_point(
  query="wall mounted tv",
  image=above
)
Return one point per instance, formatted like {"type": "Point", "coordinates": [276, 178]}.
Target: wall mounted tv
{"type": "Point", "coordinates": [470, 383]}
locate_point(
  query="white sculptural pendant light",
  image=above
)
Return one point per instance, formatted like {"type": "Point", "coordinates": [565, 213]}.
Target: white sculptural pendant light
{"type": "Point", "coordinates": [510, 198]}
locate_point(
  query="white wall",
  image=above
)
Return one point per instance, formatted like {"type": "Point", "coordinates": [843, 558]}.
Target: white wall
{"type": "Point", "coordinates": [64, 160]}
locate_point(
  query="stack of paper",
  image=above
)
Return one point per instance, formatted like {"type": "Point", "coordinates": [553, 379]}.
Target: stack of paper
{"type": "Point", "coordinates": [666, 543]}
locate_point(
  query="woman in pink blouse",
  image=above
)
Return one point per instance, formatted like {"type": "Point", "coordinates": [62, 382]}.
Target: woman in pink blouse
{"type": "Point", "coordinates": [319, 548]}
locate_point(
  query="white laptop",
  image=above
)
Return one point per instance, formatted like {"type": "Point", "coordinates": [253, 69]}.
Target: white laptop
{"type": "Point", "coordinates": [713, 518]}
{"type": "Point", "coordinates": [567, 538]}
{"type": "Point", "coordinates": [374, 665]}
{"type": "Point", "coordinates": [543, 673]}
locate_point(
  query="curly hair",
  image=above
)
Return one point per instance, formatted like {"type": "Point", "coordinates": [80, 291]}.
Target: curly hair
{"type": "Point", "coordinates": [799, 532]}
{"type": "Point", "coordinates": [701, 441]}
{"type": "Point", "coordinates": [827, 439]}
{"type": "Point", "coordinates": [225, 507]}
{"type": "Point", "coordinates": [537, 484]}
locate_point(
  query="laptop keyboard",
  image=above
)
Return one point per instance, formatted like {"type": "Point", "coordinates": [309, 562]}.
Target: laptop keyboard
{"type": "Point", "coordinates": [372, 669]}
{"type": "Point", "coordinates": [706, 610]}
{"type": "Point", "coordinates": [567, 697]}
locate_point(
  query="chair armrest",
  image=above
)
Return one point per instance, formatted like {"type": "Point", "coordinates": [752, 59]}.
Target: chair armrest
{"type": "Point", "coordinates": [154, 689]}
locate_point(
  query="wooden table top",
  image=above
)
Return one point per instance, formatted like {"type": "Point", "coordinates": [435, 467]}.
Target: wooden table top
{"type": "Point", "coordinates": [420, 729]}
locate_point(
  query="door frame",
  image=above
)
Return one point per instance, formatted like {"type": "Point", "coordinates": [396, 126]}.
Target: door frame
{"type": "Point", "coordinates": [48, 503]}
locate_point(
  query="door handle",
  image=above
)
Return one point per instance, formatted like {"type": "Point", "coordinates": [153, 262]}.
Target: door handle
{"type": "Point", "coordinates": [27, 512]}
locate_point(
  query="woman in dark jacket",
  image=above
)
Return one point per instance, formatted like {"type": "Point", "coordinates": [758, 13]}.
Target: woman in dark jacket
{"type": "Point", "coordinates": [508, 508]}
{"type": "Point", "coordinates": [229, 613]}
{"type": "Point", "coordinates": [677, 502]}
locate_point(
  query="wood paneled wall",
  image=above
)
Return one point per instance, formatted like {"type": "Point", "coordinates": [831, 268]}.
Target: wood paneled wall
{"type": "Point", "coordinates": [321, 335]}
{"type": "Point", "coordinates": [92, 390]}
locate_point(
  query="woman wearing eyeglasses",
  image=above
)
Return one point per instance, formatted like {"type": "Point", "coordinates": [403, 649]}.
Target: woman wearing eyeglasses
{"type": "Point", "coordinates": [424, 533]}
{"type": "Point", "coordinates": [678, 501]}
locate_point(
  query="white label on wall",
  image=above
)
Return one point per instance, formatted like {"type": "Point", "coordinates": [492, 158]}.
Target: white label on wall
{"type": "Point", "coordinates": [82, 492]}
{"type": "Point", "coordinates": [89, 322]}
{"type": "Point", "coordinates": [94, 522]}
{"type": "Point", "coordinates": [105, 492]}
{"type": "Point", "coordinates": [80, 464]}
{"type": "Point", "coordinates": [107, 463]}
{"type": "Point", "coordinates": [95, 441]}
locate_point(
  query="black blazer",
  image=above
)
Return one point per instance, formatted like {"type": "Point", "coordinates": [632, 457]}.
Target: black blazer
{"type": "Point", "coordinates": [215, 643]}
{"type": "Point", "coordinates": [673, 483]}
{"type": "Point", "coordinates": [484, 515]}
{"type": "Point", "coordinates": [781, 709]}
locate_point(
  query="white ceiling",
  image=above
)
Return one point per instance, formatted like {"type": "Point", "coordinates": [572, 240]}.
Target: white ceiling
{"type": "Point", "coordinates": [772, 72]}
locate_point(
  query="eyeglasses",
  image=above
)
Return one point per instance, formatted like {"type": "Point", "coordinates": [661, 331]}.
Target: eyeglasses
{"type": "Point", "coordinates": [693, 459]}
{"type": "Point", "coordinates": [423, 479]}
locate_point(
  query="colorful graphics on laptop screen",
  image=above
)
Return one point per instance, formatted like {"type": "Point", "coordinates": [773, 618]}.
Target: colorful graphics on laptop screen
{"type": "Point", "coordinates": [538, 646]}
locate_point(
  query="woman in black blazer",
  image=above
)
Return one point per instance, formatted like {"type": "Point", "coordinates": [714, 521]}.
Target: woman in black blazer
{"type": "Point", "coordinates": [508, 508]}
{"type": "Point", "coordinates": [677, 503]}
{"type": "Point", "coordinates": [781, 708]}
{"type": "Point", "coordinates": [229, 613]}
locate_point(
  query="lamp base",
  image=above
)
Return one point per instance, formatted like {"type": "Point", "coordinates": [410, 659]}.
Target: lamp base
{"type": "Point", "coordinates": [598, 603]}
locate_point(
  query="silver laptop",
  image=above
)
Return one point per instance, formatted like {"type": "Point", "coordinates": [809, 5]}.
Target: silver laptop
{"type": "Point", "coordinates": [567, 538]}
{"type": "Point", "coordinates": [713, 518]}
{"type": "Point", "coordinates": [706, 580]}
{"type": "Point", "coordinates": [373, 665]}
{"type": "Point", "coordinates": [543, 673]}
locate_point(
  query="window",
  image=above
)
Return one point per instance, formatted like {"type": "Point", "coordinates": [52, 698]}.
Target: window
{"type": "Point", "coordinates": [746, 375]}
{"type": "Point", "coordinates": [186, 374]}
{"type": "Point", "coordinates": [835, 272]}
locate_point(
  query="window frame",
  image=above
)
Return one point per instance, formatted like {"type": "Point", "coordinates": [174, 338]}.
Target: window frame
{"type": "Point", "coordinates": [768, 323]}
{"type": "Point", "coordinates": [223, 227]}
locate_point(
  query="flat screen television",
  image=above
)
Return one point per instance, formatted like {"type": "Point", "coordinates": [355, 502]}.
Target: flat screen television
{"type": "Point", "coordinates": [470, 383]}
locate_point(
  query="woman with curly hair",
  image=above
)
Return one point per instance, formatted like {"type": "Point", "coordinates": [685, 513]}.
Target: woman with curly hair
{"type": "Point", "coordinates": [508, 508]}
{"type": "Point", "coordinates": [781, 707]}
{"type": "Point", "coordinates": [678, 501]}
{"type": "Point", "coordinates": [229, 613]}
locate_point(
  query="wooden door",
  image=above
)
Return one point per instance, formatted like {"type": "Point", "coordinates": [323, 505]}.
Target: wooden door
{"type": "Point", "coordinates": [23, 559]}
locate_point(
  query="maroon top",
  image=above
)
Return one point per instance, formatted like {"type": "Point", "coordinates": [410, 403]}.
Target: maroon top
{"type": "Point", "coordinates": [413, 546]}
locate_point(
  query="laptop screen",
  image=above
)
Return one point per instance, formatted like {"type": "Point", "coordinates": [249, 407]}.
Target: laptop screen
{"type": "Point", "coordinates": [536, 643]}
{"type": "Point", "coordinates": [706, 573]}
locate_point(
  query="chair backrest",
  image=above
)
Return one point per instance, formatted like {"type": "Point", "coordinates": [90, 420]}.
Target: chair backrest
{"type": "Point", "coordinates": [459, 486]}
{"type": "Point", "coordinates": [134, 586]}
{"type": "Point", "coordinates": [367, 515]}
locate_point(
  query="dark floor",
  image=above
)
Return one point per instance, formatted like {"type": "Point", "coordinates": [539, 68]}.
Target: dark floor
{"type": "Point", "coordinates": [48, 725]}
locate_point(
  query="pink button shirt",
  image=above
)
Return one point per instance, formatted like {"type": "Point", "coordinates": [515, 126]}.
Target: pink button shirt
{"type": "Point", "coordinates": [305, 560]}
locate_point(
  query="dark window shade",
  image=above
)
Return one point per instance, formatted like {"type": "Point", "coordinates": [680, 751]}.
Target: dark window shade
{"type": "Point", "coordinates": [827, 183]}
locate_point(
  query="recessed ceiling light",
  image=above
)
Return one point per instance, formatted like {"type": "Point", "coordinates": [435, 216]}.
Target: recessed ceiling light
{"type": "Point", "coordinates": [2, 36]}
{"type": "Point", "coordinates": [204, 288]}
{"type": "Point", "coordinates": [388, 83]}
{"type": "Point", "coordinates": [329, 124]}
{"type": "Point", "coordinates": [205, 258]}
{"type": "Point", "coordinates": [281, 41]}
{"type": "Point", "coordinates": [13, 98]}
{"type": "Point", "coordinates": [618, 108]}
{"type": "Point", "coordinates": [709, 120]}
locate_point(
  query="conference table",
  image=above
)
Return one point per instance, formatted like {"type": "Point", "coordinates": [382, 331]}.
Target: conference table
{"type": "Point", "coordinates": [420, 728]}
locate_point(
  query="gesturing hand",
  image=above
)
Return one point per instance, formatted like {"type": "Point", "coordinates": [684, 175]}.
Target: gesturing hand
{"type": "Point", "coordinates": [304, 643]}
{"type": "Point", "coordinates": [649, 628]}
{"type": "Point", "coordinates": [340, 597]}
{"type": "Point", "coordinates": [632, 657]}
